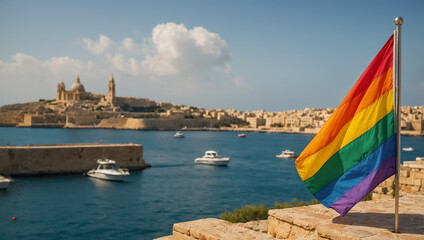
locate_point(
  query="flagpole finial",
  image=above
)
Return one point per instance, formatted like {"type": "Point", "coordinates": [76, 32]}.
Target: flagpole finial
{"type": "Point", "coordinates": [398, 20]}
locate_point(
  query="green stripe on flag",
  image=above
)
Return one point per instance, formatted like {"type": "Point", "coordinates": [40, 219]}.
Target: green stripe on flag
{"type": "Point", "coordinates": [352, 153]}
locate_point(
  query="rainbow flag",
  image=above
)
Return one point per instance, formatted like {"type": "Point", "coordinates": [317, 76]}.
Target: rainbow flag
{"type": "Point", "coordinates": [355, 150]}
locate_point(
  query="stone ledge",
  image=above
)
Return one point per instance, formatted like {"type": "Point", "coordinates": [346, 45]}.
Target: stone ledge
{"type": "Point", "coordinates": [258, 226]}
{"type": "Point", "coordinates": [215, 229]}
{"type": "Point", "coordinates": [367, 220]}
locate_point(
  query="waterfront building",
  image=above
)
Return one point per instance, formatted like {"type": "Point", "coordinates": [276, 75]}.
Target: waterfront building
{"type": "Point", "coordinates": [256, 121]}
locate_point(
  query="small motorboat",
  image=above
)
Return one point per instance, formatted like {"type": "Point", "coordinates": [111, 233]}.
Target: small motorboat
{"type": "Point", "coordinates": [108, 170]}
{"type": "Point", "coordinates": [419, 158]}
{"type": "Point", "coordinates": [408, 149]}
{"type": "Point", "coordinates": [287, 154]}
{"type": "Point", "coordinates": [179, 134]}
{"type": "Point", "coordinates": [212, 158]}
{"type": "Point", "coordinates": [4, 182]}
{"type": "Point", "coordinates": [241, 135]}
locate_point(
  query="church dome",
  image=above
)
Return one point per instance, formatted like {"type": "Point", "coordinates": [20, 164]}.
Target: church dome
{"type": "Point", "coordinates": [77, 86]}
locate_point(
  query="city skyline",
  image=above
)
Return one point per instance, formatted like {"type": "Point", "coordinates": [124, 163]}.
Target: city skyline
{"type": "Point", "coordinates": [244, 55]}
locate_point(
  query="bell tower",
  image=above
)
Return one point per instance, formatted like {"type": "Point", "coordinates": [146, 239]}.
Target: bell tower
{"type": "Point", "coordinates": [60, 91]}
{"type": "Point", "coordinates": [111, 91]}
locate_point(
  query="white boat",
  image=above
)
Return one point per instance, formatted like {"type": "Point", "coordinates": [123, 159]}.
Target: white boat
{"type": "Point", "coordinates": [408, 149]}
{"type": "Point", "coordinates": [287, 154]}
{"type": "Point", "coordinates": [108, 170]}
{"type": "Point", "coordinates": [179, 134]}
{"type": "Point", "coordinates": [242, 135]}
{"type": "Point", "coordinates": [419, 158]}
{"type": "Point", "coordinates": [212, 158]}
{"type": "Point", "coordinates": [4, 182]}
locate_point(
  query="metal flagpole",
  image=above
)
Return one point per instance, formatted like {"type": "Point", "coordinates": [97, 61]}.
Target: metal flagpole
{"type": "Point", "coordinates": [397, 78]}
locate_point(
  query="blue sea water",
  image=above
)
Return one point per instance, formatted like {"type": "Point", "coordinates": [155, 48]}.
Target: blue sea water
{"type": "Point", "coordinates": [173, 190]}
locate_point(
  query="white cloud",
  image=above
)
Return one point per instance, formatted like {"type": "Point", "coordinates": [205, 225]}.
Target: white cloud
{"type": "Point", "coordinates": [171, 50]}
{"type": "Point", "coordinates": [173, 64]}
{"type": "Point", "coordinates": [29, 78]}
{"type": "Point", "coordinates": [176, 50]}
{"type": "Point", "coordinates": [24, 64]}
{"type": "Point", "coordinates": [21, 61]}
{"type": "Point", "coordinates": [98, 47]}
{"type": "Point", "coordinates": [130, 46]}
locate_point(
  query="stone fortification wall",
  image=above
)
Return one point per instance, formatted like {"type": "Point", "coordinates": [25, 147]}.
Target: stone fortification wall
{"type": "Point", "coordinates": [30, 119]}
{"type": "Point", "coordinates": [311, 130]}
{"type": "Point", "coordinates": [118, 123]}
{"type": "Point", "coordinates": [154, 124]}
{"type": "Point", "coordinates": [67, 158]}
{"type": "Point", "coordinates": [45, 120]}
{"type": "Point", "coordinates": [411, 180]}
{"type": "Point", "coordinates": [11, 118]}
{"type": "Point", "coordinates": [83, 120]}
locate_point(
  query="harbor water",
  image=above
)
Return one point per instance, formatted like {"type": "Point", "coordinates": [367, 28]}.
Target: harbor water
{"type": "Point", "coordinates": [173, 190]}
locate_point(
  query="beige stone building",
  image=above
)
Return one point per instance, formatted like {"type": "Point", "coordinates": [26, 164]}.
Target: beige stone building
{"type": "Point", "coordinates": [292, 122]}
{"type": "Point", "coordinates": [255, 122]}
{"type": "Point", "coordinates": [111, 91]}
{"type": "Point", "coordinates": [306, 121]}
{"type": "Point", "coordinates": [76, 93]}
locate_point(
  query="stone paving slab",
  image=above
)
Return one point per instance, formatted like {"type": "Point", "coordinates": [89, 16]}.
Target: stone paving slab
{"type": "Point", "coordinates": [215, 229]}
{"type": "Point", "coordinates": [367, 220]}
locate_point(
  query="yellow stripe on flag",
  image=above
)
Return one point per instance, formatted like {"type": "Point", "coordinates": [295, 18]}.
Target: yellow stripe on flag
{"type": "Point", "coordinates": [360, 123]}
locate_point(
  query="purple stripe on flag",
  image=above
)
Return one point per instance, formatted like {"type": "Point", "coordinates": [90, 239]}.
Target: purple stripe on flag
{"type": "Point", "coordinates": [360, 190]}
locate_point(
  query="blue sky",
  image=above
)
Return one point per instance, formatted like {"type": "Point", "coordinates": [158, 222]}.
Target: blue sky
{"type": "Point", "coordinates": [245, 55]}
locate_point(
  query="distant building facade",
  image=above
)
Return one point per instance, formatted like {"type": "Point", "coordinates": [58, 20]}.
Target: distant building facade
{"type": "Point", "coordinates": [78, 93]}
{"type": "Point", "coordinates": [111, 91]}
